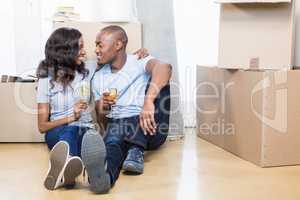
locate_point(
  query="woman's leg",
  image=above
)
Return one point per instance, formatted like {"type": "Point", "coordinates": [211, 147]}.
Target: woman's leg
{"type": "Point", "coordinates": [53, 136]}
{"type": "Point", "coordinates": [70, 134]}
{"type": "Point", "coordinates": [68, 167]}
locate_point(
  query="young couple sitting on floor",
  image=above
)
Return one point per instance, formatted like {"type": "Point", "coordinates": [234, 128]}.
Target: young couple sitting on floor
{"type": "Point", "coordinates": [131, 92]}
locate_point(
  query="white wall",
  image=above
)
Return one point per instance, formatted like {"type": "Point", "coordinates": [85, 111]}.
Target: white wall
{"type": "Point", "coordinates": [196, 26]}
{"type": "Point", "coordinates": [28, 24]}
{"type": "Point", "coordinates": [20, 39]}
{"type": "Point", "coordinates": [28, 49]}
{"type": "Point", "coordinates": [7, 56]}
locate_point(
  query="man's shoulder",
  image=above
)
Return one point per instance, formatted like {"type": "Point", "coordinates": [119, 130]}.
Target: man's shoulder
{"type": "Point", "coordinates": [132, 58]}
{"type": "Point", "coordinates": [139, 62]}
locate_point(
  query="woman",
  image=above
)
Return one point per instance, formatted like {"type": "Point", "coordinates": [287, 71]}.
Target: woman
{"type": "Point", "coordinates": [63, 101]}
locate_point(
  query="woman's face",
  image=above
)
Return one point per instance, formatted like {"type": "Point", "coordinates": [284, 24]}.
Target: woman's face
{"type": "Point", "coordinates": [82, 53]}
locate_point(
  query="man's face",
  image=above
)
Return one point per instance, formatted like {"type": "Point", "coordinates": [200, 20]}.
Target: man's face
{"type": "Point", "coordinates": [106, 49]}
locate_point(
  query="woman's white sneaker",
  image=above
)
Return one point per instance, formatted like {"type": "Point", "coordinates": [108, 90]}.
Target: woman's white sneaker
{"type": "Point", "coordinates": [58, 160]}
{"type": "Point", "coordinates": [73, 169]}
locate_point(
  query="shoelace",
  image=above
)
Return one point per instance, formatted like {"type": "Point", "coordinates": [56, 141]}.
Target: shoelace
{"type": "Point", "coordinates": [136, 154]}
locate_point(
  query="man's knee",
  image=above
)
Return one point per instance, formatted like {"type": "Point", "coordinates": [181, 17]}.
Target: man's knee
{"type": "Point", "coordinates": [156, 141]}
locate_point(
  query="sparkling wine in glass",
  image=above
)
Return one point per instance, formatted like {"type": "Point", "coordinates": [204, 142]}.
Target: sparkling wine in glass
{"type": "Point", "coordinates": [84, 91]}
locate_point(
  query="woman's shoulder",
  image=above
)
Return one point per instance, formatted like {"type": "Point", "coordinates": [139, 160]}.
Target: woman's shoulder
{"type": "Point", "coordinates": [49, 84]}
{"type": "Point", "coordinates": [44, 84]}
{"type": "Point", "coordinates": [44, 80]}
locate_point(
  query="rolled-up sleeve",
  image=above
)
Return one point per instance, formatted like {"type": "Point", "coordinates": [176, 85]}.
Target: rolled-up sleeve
{"type": "Point", "coordinates": [144, 61]}
{"type": "Point", "coordinates": [43, 91]}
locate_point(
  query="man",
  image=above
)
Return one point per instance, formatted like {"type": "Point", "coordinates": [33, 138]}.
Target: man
{"type": "Point", "coordinates": [138, 119]}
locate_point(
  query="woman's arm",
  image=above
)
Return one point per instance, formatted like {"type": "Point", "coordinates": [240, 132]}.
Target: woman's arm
{"type": "Point", "coordinates": [44, 124]}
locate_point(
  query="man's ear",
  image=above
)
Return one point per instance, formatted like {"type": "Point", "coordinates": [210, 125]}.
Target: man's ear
{"type": "Point", "coordinates": [119, 45]}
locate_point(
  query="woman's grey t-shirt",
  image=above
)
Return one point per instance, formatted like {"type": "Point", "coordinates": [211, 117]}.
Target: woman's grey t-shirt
{"type": "Point", "coordinates": [62, 102]}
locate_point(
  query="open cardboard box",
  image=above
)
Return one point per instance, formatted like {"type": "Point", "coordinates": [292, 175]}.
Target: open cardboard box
{"type": "Point", "coordinates": [253, 114]}
{"type": "Point", "coordinates": [256, 34]}
{"type": "Point", "coordinates": [18, 113]}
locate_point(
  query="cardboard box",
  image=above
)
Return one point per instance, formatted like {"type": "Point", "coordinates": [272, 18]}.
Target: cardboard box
{"type": "Point", "coordinates": [90, 30]}
{"type": "Point", "coordinates": [252, 114]}
{"type": "Point", "coordinates": [18, 118]}
{"type": "Point", "coordinates": [256, 34]}
{"type": "Point", "coordinates": [209, 104]}
{"type": "Point", "coordinates": [18, 113]}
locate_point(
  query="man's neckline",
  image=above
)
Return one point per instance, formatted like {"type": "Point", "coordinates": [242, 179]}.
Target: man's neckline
{"type": "Point", "coordinates": [121, 69]}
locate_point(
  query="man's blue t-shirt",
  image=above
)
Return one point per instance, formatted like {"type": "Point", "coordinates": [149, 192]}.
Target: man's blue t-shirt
{"type": "Point", "coordinates": [130, 82]}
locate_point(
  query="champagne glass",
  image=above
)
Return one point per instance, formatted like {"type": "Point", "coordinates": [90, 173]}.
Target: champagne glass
{"type": "Point", "coordinates": [113, 93]}
{"type": "Point", "coordinates": [84, 91]}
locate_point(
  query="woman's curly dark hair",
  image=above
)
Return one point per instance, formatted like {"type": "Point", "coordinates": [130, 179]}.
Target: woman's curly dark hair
{"type": "Point", "coordinates": [61, 52]}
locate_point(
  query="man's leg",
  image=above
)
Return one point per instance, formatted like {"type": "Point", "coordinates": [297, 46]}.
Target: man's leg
{"type": "Point", "coordinates": [162, 118]}
{"type": "Point", "coordinates": [116, 150]}
{"type": "Point", "coordinates": [81, 132]}
{"type": "Point", "coordinates": [139, 142]}
{"type": "Point", "coordinates": [103, 157]}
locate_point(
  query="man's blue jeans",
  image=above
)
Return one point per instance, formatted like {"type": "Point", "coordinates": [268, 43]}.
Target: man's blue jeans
{"type": "Point", "coordinates": [121, 134]}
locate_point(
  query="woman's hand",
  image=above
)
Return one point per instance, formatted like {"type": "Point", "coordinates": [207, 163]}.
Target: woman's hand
{"type": "Point", "coordinates": [142, 53]}
{"type": "Point", "coordinates": [78, 108]}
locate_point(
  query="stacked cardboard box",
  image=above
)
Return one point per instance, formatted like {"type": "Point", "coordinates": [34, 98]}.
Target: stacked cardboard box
{"type": "Point", "coordinates": [249, 105]}
{"type": "Point", "coordinates": [65, 14]}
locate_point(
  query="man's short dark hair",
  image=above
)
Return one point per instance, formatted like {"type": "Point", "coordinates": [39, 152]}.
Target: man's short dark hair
{"type": "Point", "coordinates": [118, 32]}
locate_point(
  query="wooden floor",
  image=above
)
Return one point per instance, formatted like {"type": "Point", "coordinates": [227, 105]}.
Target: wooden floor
{"type": "Point", "coordinates": [184, 170]}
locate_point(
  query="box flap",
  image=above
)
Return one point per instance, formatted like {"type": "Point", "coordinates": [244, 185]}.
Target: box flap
{"type": "Point", "coordinates": [253, 1]}
{"type": "Point", "coordinates": [259, 36]}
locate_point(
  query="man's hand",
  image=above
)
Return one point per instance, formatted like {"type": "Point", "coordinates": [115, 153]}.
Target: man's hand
{"type": "Point", "coordinates": [147, 121]}
{"type": "Point", "coordinates": [78, 108]}
{"type": "Point", "coordinates": [108, 101]}
{"type": "Point", "coordinates": [142, 53]}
